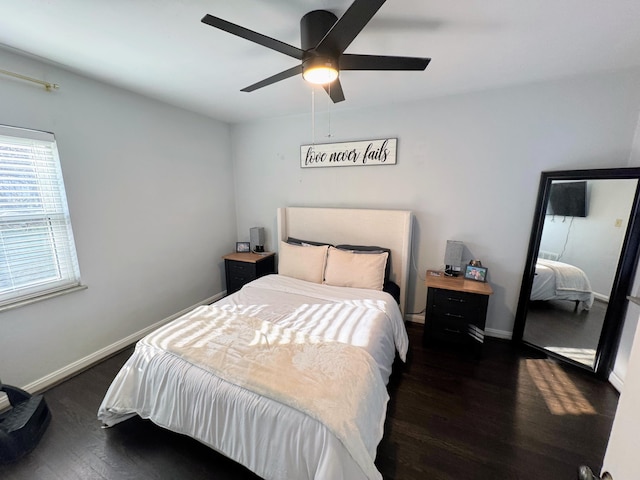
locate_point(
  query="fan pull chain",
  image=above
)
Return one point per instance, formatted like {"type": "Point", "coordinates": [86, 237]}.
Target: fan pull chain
{"type": "Point", "coordinates": [313, 114]}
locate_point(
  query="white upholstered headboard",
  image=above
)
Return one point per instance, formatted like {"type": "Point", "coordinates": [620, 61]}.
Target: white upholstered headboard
{"type": "Point", "coordinates": [383, 228]}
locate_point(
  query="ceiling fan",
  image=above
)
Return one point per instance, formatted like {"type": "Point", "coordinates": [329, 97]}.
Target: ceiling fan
{"type": "Point", "coordinates": [323, 39]}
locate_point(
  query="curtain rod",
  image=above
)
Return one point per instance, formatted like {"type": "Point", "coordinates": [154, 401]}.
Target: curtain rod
{"type": "Point", "coordinates": [47, 86]}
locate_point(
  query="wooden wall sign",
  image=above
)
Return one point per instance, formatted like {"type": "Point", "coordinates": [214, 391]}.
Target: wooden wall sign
{"type": "Point", "coordinates": [349, 154]}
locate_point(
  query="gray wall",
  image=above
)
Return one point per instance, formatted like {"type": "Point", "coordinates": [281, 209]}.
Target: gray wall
{"type": "Point", "coordinates": [150, 193]}
{"type": "Point", "coordinates": [468, 167]}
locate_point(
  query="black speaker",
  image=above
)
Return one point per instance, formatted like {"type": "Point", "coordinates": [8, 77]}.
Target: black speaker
{"type": "Point", "coordinates": [453, 258]}
{"type": "Point", "coordinates": [256, 239]}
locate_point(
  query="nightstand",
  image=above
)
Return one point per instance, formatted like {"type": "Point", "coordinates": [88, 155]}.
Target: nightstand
{"type": "Point", "coordinates": [241, 268]}
{"type": "Point", "coordinates": [456, 310]}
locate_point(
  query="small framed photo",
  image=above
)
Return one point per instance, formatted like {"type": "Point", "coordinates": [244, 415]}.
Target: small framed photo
{"type": "Point", "coordinates": [479, 274]}
{"type": "Point", "coordinates": [243, 247]}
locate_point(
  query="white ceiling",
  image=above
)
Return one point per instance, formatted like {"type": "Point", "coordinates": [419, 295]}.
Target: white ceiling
{"type": "Point", "coordinates": [161, 49]}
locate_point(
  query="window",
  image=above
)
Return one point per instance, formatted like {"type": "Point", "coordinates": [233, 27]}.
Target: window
{"type": "Point", "coordinates": [37, 252]}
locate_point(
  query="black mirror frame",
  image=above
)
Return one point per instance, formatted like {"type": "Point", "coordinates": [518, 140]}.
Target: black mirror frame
{"type": "Point", "coordinates": [613, 321]}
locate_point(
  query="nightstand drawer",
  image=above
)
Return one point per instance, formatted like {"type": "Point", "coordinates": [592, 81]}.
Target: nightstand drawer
{"type": "Point", "coordinates": [238, 280]}
{"type": "Point", "coordinates": [449, 328]}
{"type": "Point", "coordinates": [242, 270]}
{"type": "Point", "coordinates": [458, 303]}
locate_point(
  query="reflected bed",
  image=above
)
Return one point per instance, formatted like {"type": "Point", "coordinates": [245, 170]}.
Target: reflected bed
{"type": "Point", "coordinates": [555, 280]}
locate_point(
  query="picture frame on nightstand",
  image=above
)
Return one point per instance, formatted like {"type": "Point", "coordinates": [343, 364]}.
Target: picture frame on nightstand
{"type": "Point", "coordinates": [473, 272]}
{"type": "Point", "coordinates": [243, 247]}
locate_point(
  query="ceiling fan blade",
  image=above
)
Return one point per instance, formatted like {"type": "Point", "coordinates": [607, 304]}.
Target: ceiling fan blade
{"type": "Point", "coordinates": [349, 26]}
{"type": "Point", "coordinates": [252, 36]}
{"type": "Point", "coordinates": [275, 78]}
{"type": "Point", "coordinates": [381, 62]}
{"type": "Point", "coordinates": [334, 89]}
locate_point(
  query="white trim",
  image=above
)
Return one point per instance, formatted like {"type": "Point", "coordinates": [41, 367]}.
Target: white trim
{"type": "Point", "coordinates": [489, 332]}
{"type": "Point", "coordinates": [19, 132]}
{"type": "Point", "coordinates": [601, 297]}
{"type": "Point", "coordinates": [503, 334]}
{"type": "Point", "coordinates": [41, 297]}
{"type": "Point", "coordinates": [78, 366]}
{"type": "Point", "coordinates": [616, 381]}
{"type": "Point", "coordinates": [414, 318]}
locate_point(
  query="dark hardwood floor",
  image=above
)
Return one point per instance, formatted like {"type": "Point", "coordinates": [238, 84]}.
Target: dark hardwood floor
{"type": "Point", "coordinates": [557, 322]}
{"type": "Point", "coordinates": [558, 326]}
{"type": "Point", "coordinates": [509, 415]}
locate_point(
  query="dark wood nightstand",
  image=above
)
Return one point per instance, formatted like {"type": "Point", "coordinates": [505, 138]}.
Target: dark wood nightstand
{"type": "Point", "coordinates": [456, 310]}
{"type": "Point", "coordinates": [241, 268]}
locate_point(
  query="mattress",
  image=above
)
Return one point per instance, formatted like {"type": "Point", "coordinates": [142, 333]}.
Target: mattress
{"type": "Point", "coordinates": [269, 436]}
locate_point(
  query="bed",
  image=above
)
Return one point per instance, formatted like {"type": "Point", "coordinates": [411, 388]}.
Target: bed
{"type": "Point", "coordinates": [554, 280]}
{"type": "Point", "coordinates": [288, 375]}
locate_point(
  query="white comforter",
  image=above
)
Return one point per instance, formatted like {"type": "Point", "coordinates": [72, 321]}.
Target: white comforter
{"type": "Point", "coordinates": [561, 281]}
{"type": "Point", "coordinates": [169, 380]}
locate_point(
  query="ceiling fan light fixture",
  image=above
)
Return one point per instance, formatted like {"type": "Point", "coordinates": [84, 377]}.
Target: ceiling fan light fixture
{"type": "Point", "coordinates": [319, 70]}
{"type": "Point", "coordinates": [323, 40]}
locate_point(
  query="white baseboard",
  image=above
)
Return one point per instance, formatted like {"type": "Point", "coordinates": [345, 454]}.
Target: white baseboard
{"type": "Point", "coordinates": [414, 318]}
{"type": "Point", "coordinates": [76, 367]}
{"type": "Point", "coordinates": [601, 297]}
{"type": "Point", "coordinates": [503, 334]}
{"type": "Point", "coordinates": [489, 332]}
{"type": "Point", "coordinates": [616, 381]}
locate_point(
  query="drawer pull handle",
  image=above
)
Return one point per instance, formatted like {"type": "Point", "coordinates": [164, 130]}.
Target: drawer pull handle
{"type": "Point", "coordinates": [452, 330]}
{"type": "Point", "coordinates": [447, 314]}
{"type": "Point", "coordinates": [459, 300]}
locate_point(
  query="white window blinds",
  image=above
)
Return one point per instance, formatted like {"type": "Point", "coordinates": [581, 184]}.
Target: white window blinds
{"type": "Point", "coordinates": [37, 251]}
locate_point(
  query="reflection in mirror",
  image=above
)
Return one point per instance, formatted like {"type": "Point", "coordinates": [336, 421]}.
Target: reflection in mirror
{"type": "Point", "coordinates": [582, 237]}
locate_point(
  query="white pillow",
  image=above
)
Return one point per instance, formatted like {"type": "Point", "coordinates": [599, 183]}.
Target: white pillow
{"type": "Point", "coordinates": [348, 269]}
{"type": "Point", "coordinates": [305, 263]}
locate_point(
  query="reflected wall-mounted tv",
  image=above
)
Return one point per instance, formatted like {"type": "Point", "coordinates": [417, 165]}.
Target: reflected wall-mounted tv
{"type": "Point", "coordinates": [568, 199]}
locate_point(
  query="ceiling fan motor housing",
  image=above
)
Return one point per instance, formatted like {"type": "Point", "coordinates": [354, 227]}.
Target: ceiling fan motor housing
{"type": "Point", "coordinates": [313, 28]}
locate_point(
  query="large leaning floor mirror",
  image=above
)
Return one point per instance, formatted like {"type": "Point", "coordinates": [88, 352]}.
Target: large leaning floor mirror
{"type": "Point", "coordinates": [580, 264]}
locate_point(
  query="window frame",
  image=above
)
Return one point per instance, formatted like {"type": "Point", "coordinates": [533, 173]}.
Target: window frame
{"type": "Point", "coordinates": [38, 257]}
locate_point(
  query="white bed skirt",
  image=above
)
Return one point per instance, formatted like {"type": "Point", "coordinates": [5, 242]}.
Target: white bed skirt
{"type": "Point", "coordinates": [234, 415]}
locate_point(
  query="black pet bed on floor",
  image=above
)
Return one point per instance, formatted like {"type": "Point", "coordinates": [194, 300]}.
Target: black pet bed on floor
{"type": "Point", "coordinates": [22, 426]}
